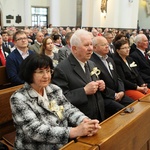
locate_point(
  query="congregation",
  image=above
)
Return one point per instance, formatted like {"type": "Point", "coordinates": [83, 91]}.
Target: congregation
{"type": "Point", "coordinates": [17, 44]}
{"type": "Point", "coordinates": [100, 71]}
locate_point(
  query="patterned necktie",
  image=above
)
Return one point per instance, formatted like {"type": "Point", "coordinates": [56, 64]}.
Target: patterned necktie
{"type": "Point", "coordinates": [2, 58]}
{"type": "Point", "coordinates": [87, 72]}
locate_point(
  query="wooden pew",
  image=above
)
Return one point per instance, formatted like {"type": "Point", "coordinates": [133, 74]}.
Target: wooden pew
{"type": "Point", "coordinates": [4, 81]}
{"type": "Point", "coordinates": [6, 122]}
{"type": "Point", "coordinates": [124, 131]}
{"type": "Point", "coordinates": [79, 146]}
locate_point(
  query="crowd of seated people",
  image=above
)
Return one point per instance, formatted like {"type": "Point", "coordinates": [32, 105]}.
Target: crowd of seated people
{"type": "Point", "coordinates": [34, 40]}
{"type": "Point", "coordinates": [121, 59]}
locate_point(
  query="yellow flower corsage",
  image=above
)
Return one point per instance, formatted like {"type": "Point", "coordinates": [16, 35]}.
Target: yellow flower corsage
{"type": "Point", "coordinates": [95, 71]}
{"type": "Point", "coordinates": [57, 109]}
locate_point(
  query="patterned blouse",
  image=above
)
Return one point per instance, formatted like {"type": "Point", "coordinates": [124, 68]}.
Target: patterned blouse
{"type": "Point", "coordinates": [38, 126]}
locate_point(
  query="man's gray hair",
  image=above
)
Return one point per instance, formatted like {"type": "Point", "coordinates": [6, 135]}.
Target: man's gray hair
{"type": "Point", "coordinates": [139, 38]}
{"type": "Point", "coordinates": [94, 41]}
{"type": "Point", "coordinates": [76, 37]}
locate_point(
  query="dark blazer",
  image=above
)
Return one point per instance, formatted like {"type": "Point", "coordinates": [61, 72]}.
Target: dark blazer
{"type": "Point", "coordinates": [9, 44]}
{"type": "Point", "coordinates": [70, 76]}
{"type": "Point", "coordinates": [143, 65]}
{"type": "Point", "coordinates": [6, 52]}
{"type": "Point", "coordinates": [113, 83]}
{"type": "Point", "coordinates": [13, 62]}
{"type": "Point", "coordinates": [130, 77]}
{"type": "Point", "coordinates": [64, 52]}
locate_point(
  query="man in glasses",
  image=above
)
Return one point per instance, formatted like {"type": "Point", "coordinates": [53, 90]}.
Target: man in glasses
{"type": "Point", "coordinates": [16, 57]}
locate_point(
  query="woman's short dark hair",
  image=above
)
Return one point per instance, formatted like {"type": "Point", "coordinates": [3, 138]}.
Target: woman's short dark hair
{"type": "Point", "coordinates": [31, 63]}
{"type": "Point", "coordinates": [55, 37]}
{"type": "Point", "coordinates": [120, 42]}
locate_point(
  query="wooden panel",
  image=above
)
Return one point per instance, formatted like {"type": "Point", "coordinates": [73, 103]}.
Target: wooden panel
{"type": "Point", "coordinates": [146, 98]}
{"type": "Point", "coordinates": [124, 131]}
{"type": "Point", "coordinates": [6, 123]}
{"type": "Point", "coordinates": [3, 75]}
{"type": "Point", "coordinates": [5, 111]}
{"type": "Point", "coordinates": [79, 146]}
{"type": "Point", "coordinates": [9, 147]}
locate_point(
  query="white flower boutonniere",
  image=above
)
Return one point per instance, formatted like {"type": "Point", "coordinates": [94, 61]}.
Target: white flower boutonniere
{"type": "Point", "coordinates": [133, 64]}
{"type": "Point", "coordinates": [9, 46]}
{"type": "Point", "coordinates": [95, 71]}
{"type": "Point", "coordinates": [6, 54]}
{"type": "Point", "coordinates": [111, 66]}
{"type": "Point", "coordinates": [55, 62]}
{"type": "Point", "coordinates": [57, 109]}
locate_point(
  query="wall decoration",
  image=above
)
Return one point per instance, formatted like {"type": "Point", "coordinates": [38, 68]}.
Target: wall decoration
{"type": "Point", "coordinates": [18, 19]}
{"type": "Point", "coordinates": [8, 21]}
{"type": "Point", "coordinates": [104, 6]}
{"type": "Point", "coordinates": [9, 17]}
{"type": "Point", "coordinates": [148, 6]}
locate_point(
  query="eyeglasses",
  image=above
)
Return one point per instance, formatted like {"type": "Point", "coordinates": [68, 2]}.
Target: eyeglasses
{"type": "Point", "coordinates": [21, 39]}
{"type": "Point", "coordinates": [125, 48]}
{"type": "Point", "coordinates": [45, 71]}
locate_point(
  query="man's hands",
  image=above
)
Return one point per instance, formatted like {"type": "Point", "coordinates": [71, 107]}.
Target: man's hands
{"type": "Point", "coordinates": [92, 87]}
{"type": "Point", "coordinates": [119, 96]}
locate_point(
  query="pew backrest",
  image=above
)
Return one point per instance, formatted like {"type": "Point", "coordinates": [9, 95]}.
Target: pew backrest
{"type": "Point", "coordinates": [4, 81]}
{"type": "Point", "coordinates": [6, 123]}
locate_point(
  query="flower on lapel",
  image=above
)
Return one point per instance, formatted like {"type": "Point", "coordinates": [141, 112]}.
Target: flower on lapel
{"type": "Point", "coordinates": [57, 109]}
{"type": "Point", "coordinates": [6, 54]}
{"type": "Point", "coordinates": [55, 62]}
{"type": "Point", "coordinates": [95, 71]}
{"type": "Point", "coordinates": [133, 64]}
{"type": "Point", "coordinates": [9, 46]}
{"type": "Point", "coordinates": [111, 66]}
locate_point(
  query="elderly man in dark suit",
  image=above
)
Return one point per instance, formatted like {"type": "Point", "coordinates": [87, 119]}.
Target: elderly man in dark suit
{"type": "Point", "coordinates": [81, 89]}
{"type": "Point", "coordinates": [109, 74]}
{"type": "Point", "coordinates": [141, 58]}
{"type": "Point", "coordinates": [4, 52]}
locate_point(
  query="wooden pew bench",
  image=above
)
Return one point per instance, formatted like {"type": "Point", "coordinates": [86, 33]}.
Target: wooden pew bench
{"type": "Point", "coordinates": [122, 131]}
{"type": "Point", "coordinates": [6, 122]}
{"type": "Point", "coordinates": [4, 81]}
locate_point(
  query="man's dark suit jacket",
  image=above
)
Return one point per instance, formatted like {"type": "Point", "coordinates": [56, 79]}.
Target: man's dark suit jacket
{"type": "Point", "coordinates": [113, 83]}
{"type": "Point", "coordinates": [130, 77]}
{"type": "Point", "coordinates": [64, 52]}
{"type": "Point", "coordinates": [143, 65]}
{"type": "Point", "coordinates": [6, 52]}
{"type": "Point", "coordinates": [70, 76]}
{"type": "Point", "coordinates": [9, 44]}
{"type": "Point", "coordinates": [13, 62]}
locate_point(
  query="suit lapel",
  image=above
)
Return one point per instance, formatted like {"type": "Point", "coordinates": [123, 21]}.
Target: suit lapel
{"type": "Point", "coordinates": [101, 65]}
{"type": "Point", "coordinates": [77, 68]}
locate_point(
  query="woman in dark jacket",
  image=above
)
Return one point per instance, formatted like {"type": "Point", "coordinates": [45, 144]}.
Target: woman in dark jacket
{"type": "Point", "coordinates": [127, 70]}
